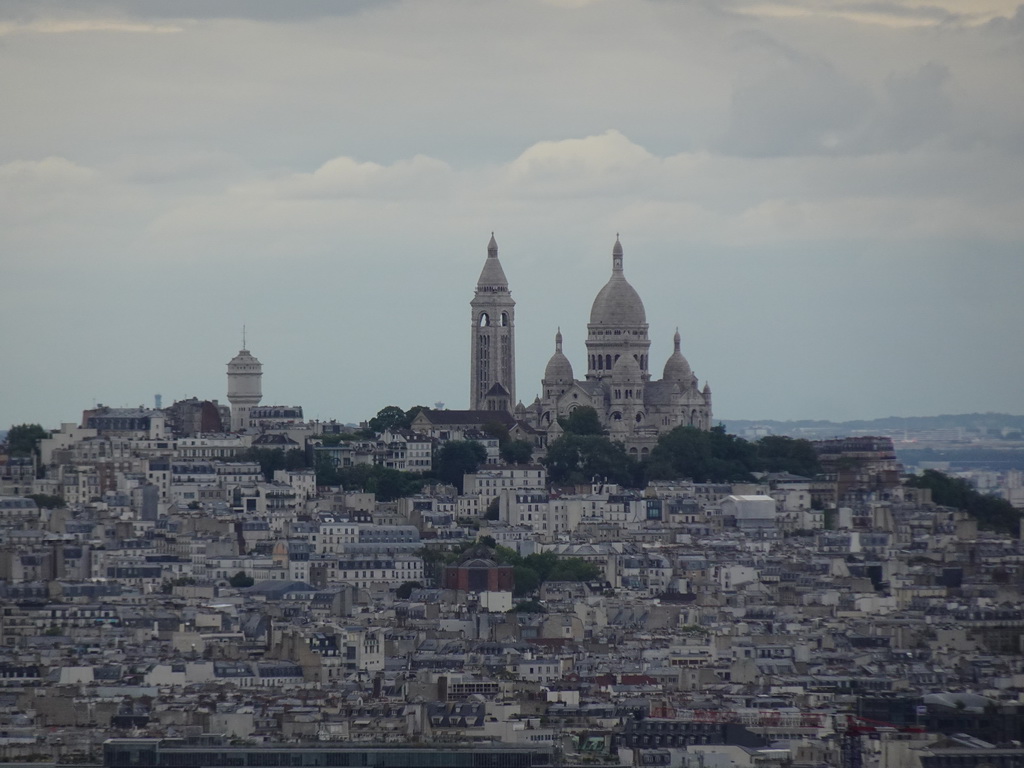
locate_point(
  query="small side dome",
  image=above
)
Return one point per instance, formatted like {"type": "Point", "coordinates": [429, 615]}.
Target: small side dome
{"type": "Point", "coordinates": [559, 369]}
{"type": "Point", "coordinates": [626, 368]}
{"type": "Point", "coordinates": [677, 368]}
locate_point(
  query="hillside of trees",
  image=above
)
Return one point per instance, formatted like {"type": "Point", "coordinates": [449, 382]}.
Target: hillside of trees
{"type": "Point", "coordinates": [585, 452]}
{"type": "Point", "coordinates": [992, 513]}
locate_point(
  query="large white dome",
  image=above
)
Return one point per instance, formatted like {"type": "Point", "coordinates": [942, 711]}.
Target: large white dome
{"type": "Point", "coordinates": [618, 305]}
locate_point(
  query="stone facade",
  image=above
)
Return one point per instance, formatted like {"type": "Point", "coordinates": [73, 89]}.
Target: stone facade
{"type": "Point", "coordinates": [492, 383]}
{"type": "Point", "coordinates": [633, 407]}
{"type": "Point", "coordinates": [245, 390]}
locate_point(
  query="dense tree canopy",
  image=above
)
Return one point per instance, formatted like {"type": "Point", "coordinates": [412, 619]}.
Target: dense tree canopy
{"type": "Point", "coordinates": [533, 570]}
{"type": "Point", "coordinates": [582, 421]}
{"type": "Point", "coordinates": [46, 501]}
{"type": "Point", "coordinates": [992, 513]}
{"type": "Point", "coordinates": [716, 456]}
{"type": "Point", "coordinates": [388, 417]}
{"type": "Point", "coordinates": [23, 439]}
{"type": "Point", "coordinates": [778, 453]}
{"type": "Point", "coordinates": [457, 458]}
{"type": "Point", "coordinates": [496, 429]}
{"type": "Point", "coordinates": [712, 456]}
{"type": "Point", "coordinates": [576, 459]}
{"type": "Point", "coordinates": [404, 590]}
{"type": "Point", "coordinates": [272, 459]}
{"type": "Point", "coordinates": [240, 580]}
{"type": "Point", "coordinates": [393, 417]}
{"type": "Point", "coordinates": [517, 452]}
{"type": "Point", "coordinates": [387, 484]}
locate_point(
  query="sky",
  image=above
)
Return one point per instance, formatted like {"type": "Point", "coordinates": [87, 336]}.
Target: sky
{"type": "Point", "coordinates": [824, 196]}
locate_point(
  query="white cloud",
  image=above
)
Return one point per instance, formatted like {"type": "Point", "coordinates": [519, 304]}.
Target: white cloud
{"type": "Point", "coordinates": [73, 26]}
{"type": "Point", "coordinates": [345, 177]}
{"type": "Point", "coordinates": [57, 171]}
{"type": "Point", "coordinates": [897, 14]}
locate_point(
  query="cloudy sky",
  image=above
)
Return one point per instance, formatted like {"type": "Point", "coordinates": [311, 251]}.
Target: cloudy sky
{"type": "Point", "coordinates": [825, 196]}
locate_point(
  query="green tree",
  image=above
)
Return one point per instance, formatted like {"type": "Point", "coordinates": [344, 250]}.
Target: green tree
{"type": "Point", "coordinates": [493, 510]}
{"type": "Point", "coordinates": [526, 580]}
{"type": "Point", "coordinates": [542, 562]}
{"type": "Point", "coordinates": [714, 456]}
{"type": "Point", "coordinates": [582, 421]}
{"type": "Point", "coordinates": [326, 472]}
{"type": "Point", "coordinates": [240, 580]}
{"type": "Point", "coordinates": [46, 501]}
{"type": "Point", "coordinates": [295, 459]}
{"type": "Point", "coordinates": [457, 458]}
{"type": "Point", "coordinates": [506, 556]}
{"type": "Point", "coordinates": [992, 513]}
{"type": "Point", "coordinates": [391, 484]}
{"type": "Point", "coordinates": [517, 452]}
{"type": "Point", "coordinates": [579, 459]}
{"type": "Point", "coordinates": [388, 417]}
{"type": "Point", "coordinates": [387, 484]}
{"type": "Point", "coordinates": [778, 453]}
{"type": "Point", "coordinates": [404, 591]}
{"type": "Point", "coordinates": [574, 569]}
{"type": "Point", "coordinates": [529, 606]}
{"type": "Point", "coordinates": [488, 541]}
{"type": "Point", "coordinates": [496, 429]}
{"type": "Point", "coordinates": [269, 459]}
{"type": "Point", "coordinates": [23, 439]}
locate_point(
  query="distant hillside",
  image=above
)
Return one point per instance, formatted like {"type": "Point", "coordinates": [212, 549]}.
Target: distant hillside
{"type": "Point", "coordinates": [980, 424]}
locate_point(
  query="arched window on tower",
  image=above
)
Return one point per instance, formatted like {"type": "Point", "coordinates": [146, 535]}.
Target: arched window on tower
{"type": "Point", "coordinates": [504, 318]}
{"type": "Point", "coordinates": [608, 362]}
{"type": "Point", "coordinates": [484, 320]}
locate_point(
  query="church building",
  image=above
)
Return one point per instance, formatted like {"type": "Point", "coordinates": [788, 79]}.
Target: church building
{"type": "Point", "coordinates": [633, 407]}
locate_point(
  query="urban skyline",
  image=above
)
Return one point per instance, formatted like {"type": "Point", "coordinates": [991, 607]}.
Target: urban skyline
{"type": "Point", "coordinates": [836, 235]}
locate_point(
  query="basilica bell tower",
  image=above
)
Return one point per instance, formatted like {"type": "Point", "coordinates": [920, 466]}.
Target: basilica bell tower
{"type": "Point", "coordinates": [492, 365]}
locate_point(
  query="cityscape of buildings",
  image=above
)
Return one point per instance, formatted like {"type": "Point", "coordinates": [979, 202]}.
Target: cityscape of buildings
{"type": "Point", "coordinates": [169, 599]}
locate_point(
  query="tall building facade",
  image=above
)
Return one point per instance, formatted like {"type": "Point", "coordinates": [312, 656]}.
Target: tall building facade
{"type": "Point", "coordinates": [634, 407]}
{"type": "Point", "coordinates": [492, 369]}
{"type": "Point", "coordinates": [245, 387]}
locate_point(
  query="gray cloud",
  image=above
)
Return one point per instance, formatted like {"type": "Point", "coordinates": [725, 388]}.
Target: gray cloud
{"type": "Point", "coordinates": [791, 103]}
{"type": "Point", "coordinates": [813, 199]}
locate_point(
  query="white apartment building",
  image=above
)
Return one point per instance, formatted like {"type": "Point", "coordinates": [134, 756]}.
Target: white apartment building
{"type": "Point", "coordinates": [488, 483]}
